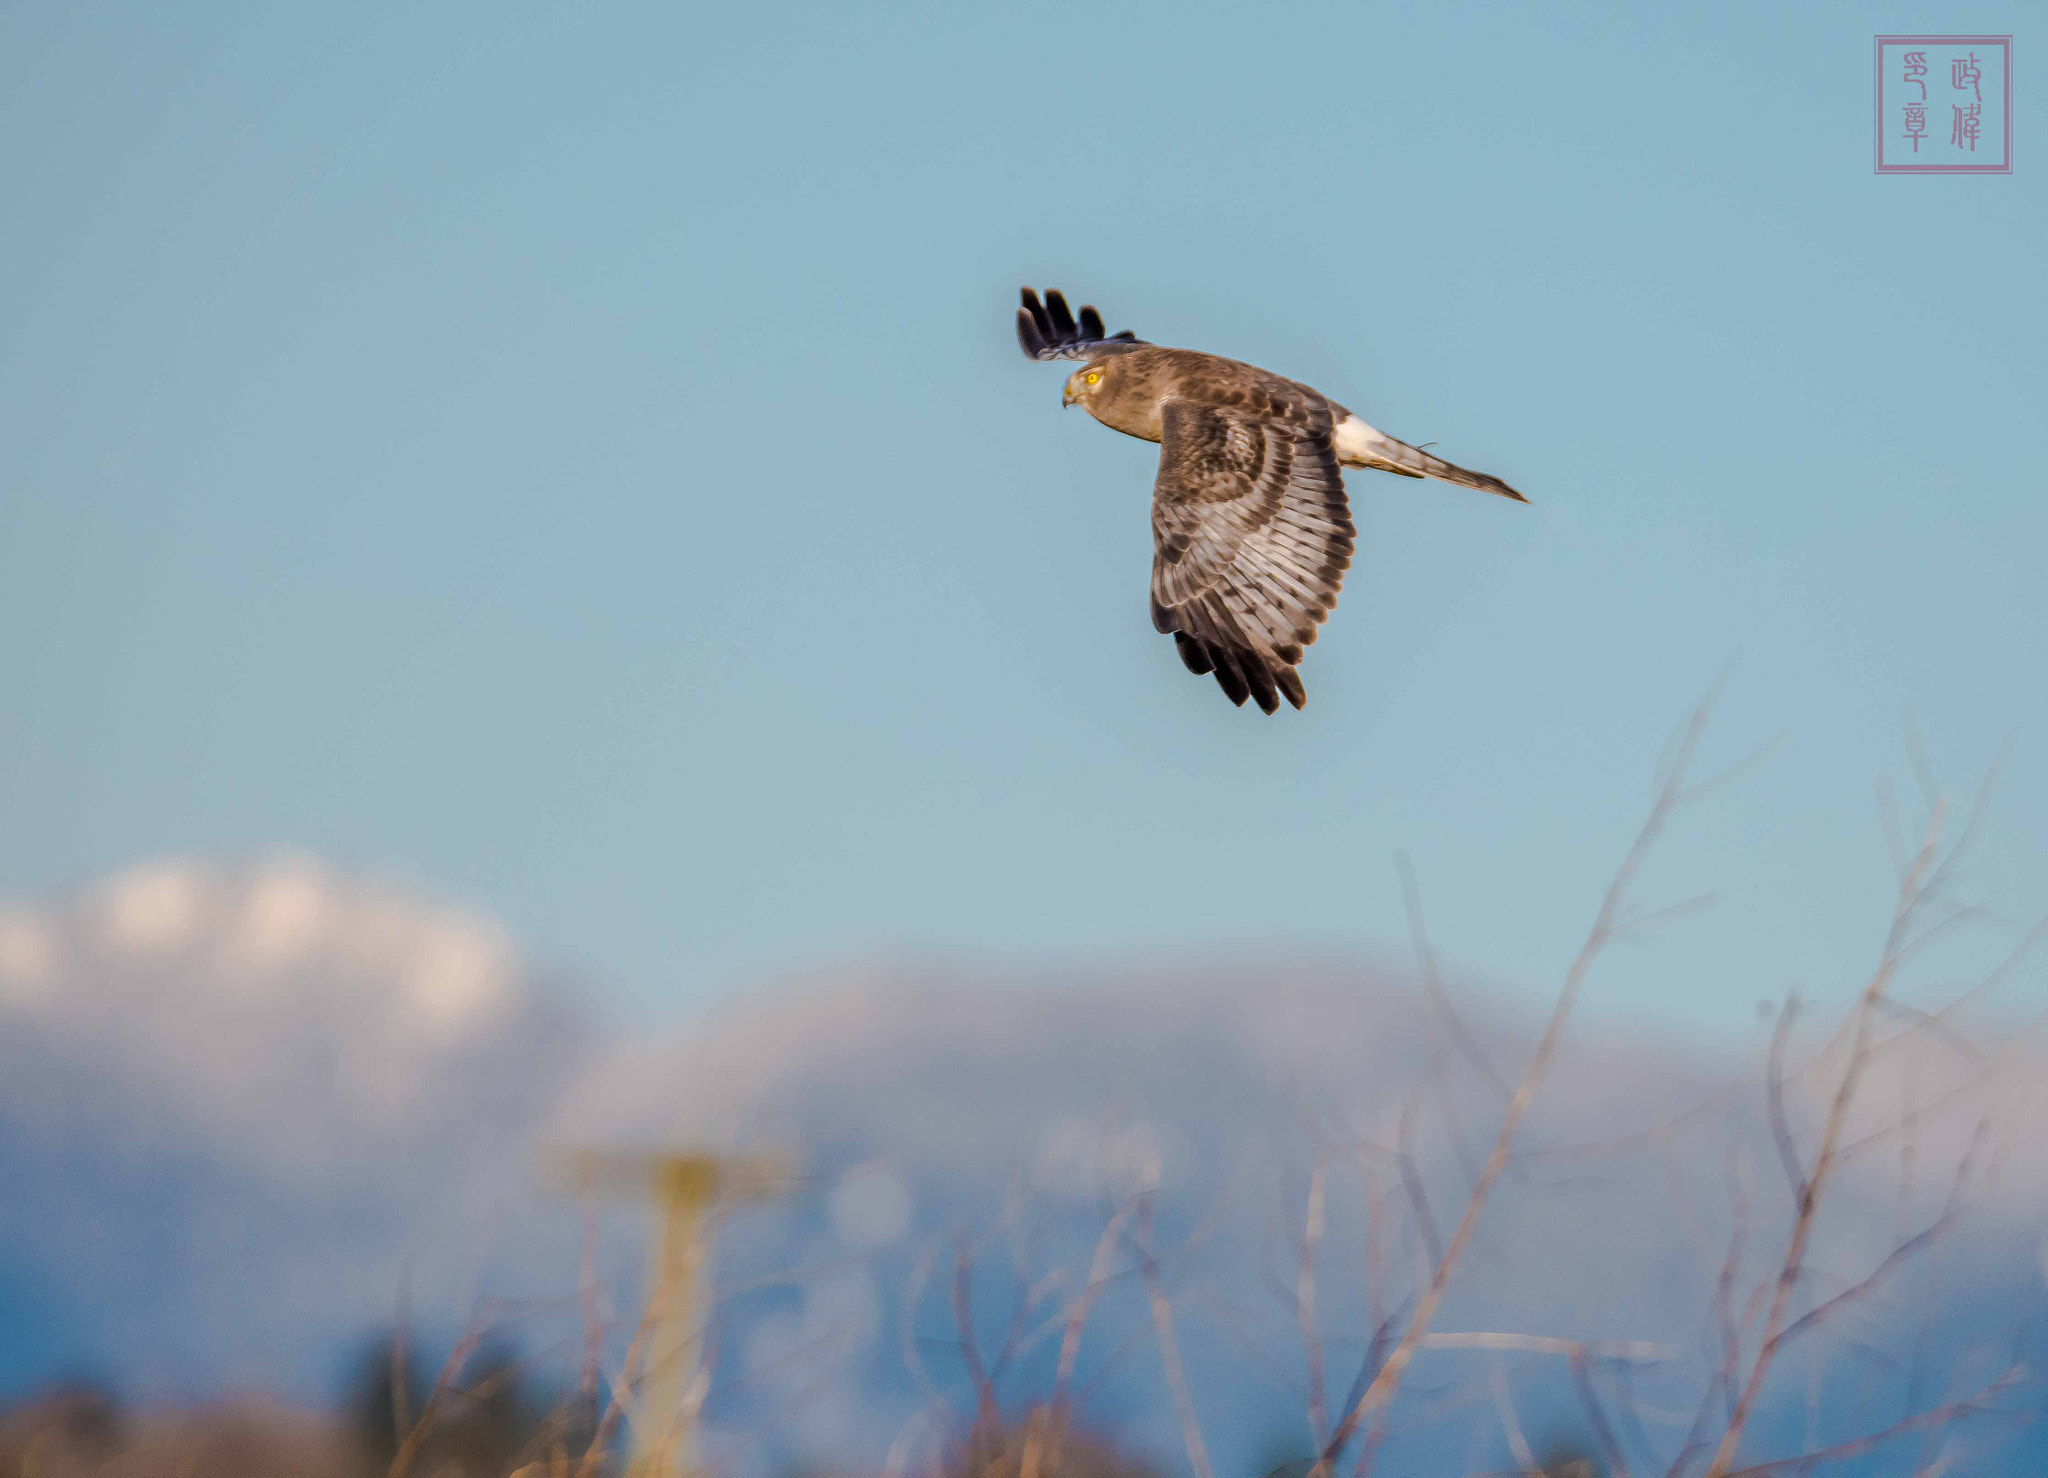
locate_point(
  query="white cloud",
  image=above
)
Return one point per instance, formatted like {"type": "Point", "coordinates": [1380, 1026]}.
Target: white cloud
{"type": "Point", "coordinates": [28, 954]}
{"type": "Point", "coordinates": [154, 907]}
{"type": "Point", "coordinates": [232, 1095]}
{"type": "Point", "coordinates": [286, 914]}
{"type": "Point", "coordinates": [458, 972]}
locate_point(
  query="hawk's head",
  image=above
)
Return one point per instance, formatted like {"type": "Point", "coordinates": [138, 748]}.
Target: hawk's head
{"type": "Point", "coordinates": [1085, 383]}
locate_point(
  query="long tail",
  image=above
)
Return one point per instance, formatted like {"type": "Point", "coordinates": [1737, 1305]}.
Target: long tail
{"type": "Point", "coordinates": [1360, 445]}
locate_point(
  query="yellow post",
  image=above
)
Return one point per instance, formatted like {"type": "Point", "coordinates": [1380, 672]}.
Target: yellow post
{"type": "Point", "coordinates": [684, 1188]}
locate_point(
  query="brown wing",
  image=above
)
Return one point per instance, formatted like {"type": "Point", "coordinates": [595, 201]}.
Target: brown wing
{"type": "Point", "coordinates": [1251, 539]}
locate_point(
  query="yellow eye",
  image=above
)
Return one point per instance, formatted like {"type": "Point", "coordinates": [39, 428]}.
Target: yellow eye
{"type": "Point", "coordinates": [1091, 377]}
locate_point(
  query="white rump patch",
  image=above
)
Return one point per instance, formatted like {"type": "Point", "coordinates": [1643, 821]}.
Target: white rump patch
{"type": "Point", "coordinates": [1354, 440]}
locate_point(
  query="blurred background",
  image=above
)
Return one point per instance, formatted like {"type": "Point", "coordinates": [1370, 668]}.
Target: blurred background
{"type": "Point", "coordinates": [544, 610]}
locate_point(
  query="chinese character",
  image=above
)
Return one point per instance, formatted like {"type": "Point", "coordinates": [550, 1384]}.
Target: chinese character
{"type": "Point", "coordinates": [1968, 124]}
{"type": "Point", "coordinates": [1916, 69]}
{"type": "Point", "coordinates": [1963, 74]}
{"type": "Point", "coordinates": [1916, 123]}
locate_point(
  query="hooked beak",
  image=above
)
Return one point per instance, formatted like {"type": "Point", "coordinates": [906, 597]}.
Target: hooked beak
{"type": "Point", "coordinates": [1068, 397]}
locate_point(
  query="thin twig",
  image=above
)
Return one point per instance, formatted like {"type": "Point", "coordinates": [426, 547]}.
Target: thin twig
{"type": "Point", "coordinates": [1921, 1421]}
{"type": "Point", "coordinates": [1632, 1350]}
{"type": "Point", "coordinates": [906, 1321]}
{"type": "Point", "coordinates": [1433, 983]}
{"type": "Point", "coordinates": [1380, 1392]}
{"type": "Point", "coordinates": [1084, 1302]}
{"type": "Point", "coordinates": [1912, 890]}
{"type": "Point", "coordinates": [963, 1318]}
{"type": "Point", "coordinates": [1511, 1424]}
{"type": "Point", "coordinates": [615, 1409]}
{"type": "Point", "coordinates": [1305, 1304]}
{"type": "Point", "coordinates": [1169, 1350]}
{"type": "Point", "coordinates": [1774, 1097]}
{"type": "Point", "coordinates": [1596, 1416]}
{"type": "Point", "coordinates": [1411, 1175]}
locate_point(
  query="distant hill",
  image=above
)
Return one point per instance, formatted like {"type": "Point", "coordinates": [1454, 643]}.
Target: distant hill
{"type": "Point", "coordinates": [245, 1110]}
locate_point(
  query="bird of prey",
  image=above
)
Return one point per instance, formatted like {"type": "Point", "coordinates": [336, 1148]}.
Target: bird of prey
{"type": "Point", "coordinates": [1250, 531]}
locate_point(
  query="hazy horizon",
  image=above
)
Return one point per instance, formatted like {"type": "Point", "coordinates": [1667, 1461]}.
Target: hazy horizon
{"type": "Point", "coordinates": [580, 462]}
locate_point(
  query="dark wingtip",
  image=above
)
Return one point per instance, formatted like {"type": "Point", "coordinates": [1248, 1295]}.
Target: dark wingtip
{"type": "Point", "coordinates": [1028, 337]}
{"type": "Point", "coordinates": [1228, 675]}
{"type": "Point", "coordinates": [1044, 338]}
{"type": "Point", "coordinates": [1062, 315]}
{"type": "Point", "coordinates": [1055, 332]}
{"type": "Point", "coordinates": [1261, 682]}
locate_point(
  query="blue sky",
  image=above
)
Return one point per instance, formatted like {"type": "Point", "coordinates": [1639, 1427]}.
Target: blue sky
{"type": "Point", "coordinates": [576, 458]}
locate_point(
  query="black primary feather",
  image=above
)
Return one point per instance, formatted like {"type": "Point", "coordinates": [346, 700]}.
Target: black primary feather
{"type": "Point", "coordinates": [1062, 319]}
{"type": "Point", "coordinates": [1051, 330]}
{"type": "Point", "coordinates": [1228, 676]}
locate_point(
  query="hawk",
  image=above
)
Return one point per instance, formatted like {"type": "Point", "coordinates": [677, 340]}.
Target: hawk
{"type": "Point", "coordinates": [1250, 531]}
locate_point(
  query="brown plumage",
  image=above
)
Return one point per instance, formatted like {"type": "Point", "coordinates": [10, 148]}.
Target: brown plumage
{"type": "Point", "coordinates": [1251, 533]}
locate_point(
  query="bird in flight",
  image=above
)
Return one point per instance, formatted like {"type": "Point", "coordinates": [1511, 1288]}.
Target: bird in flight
{"type": "Point", "coordinates": [1250, 531]}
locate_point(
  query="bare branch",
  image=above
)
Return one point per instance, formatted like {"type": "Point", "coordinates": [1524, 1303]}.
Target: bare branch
{"type": "Point", "coordinates": [437, 1400]}
{"type": "Point", "coordinates": [1630, 1350]}
{"type": "Point", "coordinates": [1511, 1424]}
{"type": "Point", "coordinates": [1939, 1416]}
{"type": "Point", "coordinates": [1411, 1177]}
{"type": "Point", "coordinates": [615, 1409]}
{"type": "Point", "coordinates": [1931, 1024]}
{"type": "Point", "coordinates": [1432, 980]}
{"type": "Point", "coordinates": [1821, 1312]}
{"type": "Point", "coordinates": [1774, 1098]}
{"type": "Point", "coordinates": [1912, 892]}
{"type": "Point", "coordinates": [1169, 1351]}
{"type": "Point", "coordinates": [1305, 1304]}
{"type": "Point", "coordinates": [1596, 1415]}
{"type": "Point", "coordinates": [1731, 1338]}
{"type": "Point", "coordinates": [1015, 1341]}
{"type": "Point", "coordinates": [1635, 925]}
{"type": "Point", "coordinates": [963, 1320]}
{"type": "Point", "coordinates": [1380, 1392]}
{"type": "Point", "coordinates": [906, 1321]}
{"type": "Point", "coordinates": [1729, 773]}
{"type": "Point", "coordinates": [1084, 1302]}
